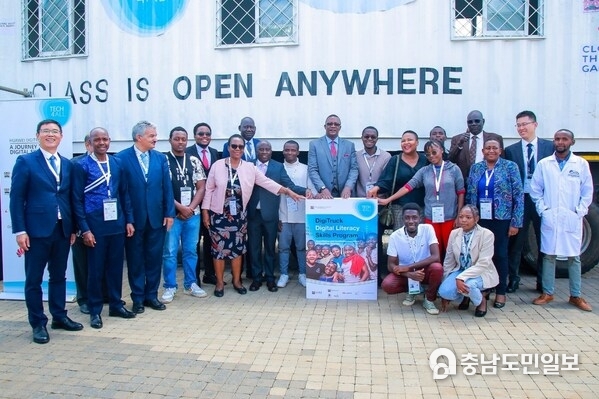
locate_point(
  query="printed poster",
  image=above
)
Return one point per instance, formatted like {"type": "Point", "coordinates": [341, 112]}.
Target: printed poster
{"type": "Point", "coordinates": [341, 253]}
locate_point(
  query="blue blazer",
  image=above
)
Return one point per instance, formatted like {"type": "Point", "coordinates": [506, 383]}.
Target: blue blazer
{"type": "Point", "coordinates": [514, 153]}
{"type": "Point", "coordinates": [269, 202]}
{"type": "Point", "coordinates": [320, 164]}
{"type": "Point", "coordinates": [35, 197]}
{"type": "Point", "coordinates": [508, 194]}
{"type": "Point", "coordinates": [152, 200]}
{"type": "Point", "coordinates": [226, 151]}
{"type": "Point", "coordinates": [90, 216]}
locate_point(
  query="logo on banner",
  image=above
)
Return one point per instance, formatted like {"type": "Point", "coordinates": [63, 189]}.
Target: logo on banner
{"type": "Point", "coordinates": [144, 18]}
{"type": "Point", "coordinates": [59, 110]}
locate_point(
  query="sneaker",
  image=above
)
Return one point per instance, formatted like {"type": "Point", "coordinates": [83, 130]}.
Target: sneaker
{"type": "Point", "coordinates": [282, 281]}
{"type": "Point", "coordinates": [196, 291]}
{"type": "Point", "coordinates": [544, 299]}
{"type": "Point", "coordinates": [430, 307]}
{"type": "Point", "coordinates": [168, 295]}
{"type": "Point", "coordinates": [410, 299]}
{"type": "Point", "coordinates": [580, 303]}
{"type": "Point", "coordinates": [302, 279]}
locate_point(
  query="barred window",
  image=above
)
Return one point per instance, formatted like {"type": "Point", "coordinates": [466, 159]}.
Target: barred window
{"type": "Point", "coordinates": [256, 22]}
{"type": "Point", "coordinates": [53, 28]}
{"type": "Point", "coordinates": [497, 18]}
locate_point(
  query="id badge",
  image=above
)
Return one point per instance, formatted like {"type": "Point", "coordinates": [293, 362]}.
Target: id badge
{"type": "Point", "coordinates": [438, 213]}
{"type": "Point", "coordinates": [413, 287]}
{"type": "Point", "coordinates": [486, 209]}
{"type": "Point", "coordinates": [291, 205]}
{"type": "Point", "coordinates": [369, 187]}
{"type": "Point", "coordinates": [527, 185]}
{"type": "Point", "coordinates": [110, 209]}
{"type": "Point", "coordinates": [185, 196]}
{"type": "Point", "coordinates": [233, 207]}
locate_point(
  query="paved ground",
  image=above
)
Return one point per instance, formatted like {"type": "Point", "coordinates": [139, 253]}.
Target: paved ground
{"type": "Point", "coordinates": [281, 345]}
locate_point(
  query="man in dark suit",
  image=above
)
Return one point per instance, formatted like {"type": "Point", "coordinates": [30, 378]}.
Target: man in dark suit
{"type": "Point", "coordinates": [466, 148]}
{"type": "Point", "coordinates": [41, 216]}
{"type": "Point", "coordinates": [202, 133]}
{"type": "Point", "coordinates": [104, 216]}
{"type": "Point", "coordinates": [526, 153]}
{"type": "Point", "coordinates": [263, 218]}
{"type": "Point", "coordinates": [247, 128]}
{"type": "Point", "coordinates": [151, 192]}
{"type": "Point", "coordinates": [332, 164]}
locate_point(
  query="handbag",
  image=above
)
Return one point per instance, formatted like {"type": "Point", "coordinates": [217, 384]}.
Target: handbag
{"type": "Point", "coordinates": [386, 217]}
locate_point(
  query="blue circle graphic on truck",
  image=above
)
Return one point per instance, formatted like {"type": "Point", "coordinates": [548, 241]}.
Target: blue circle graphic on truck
{"type": "Point", "coordinates": [59, 110]}
{"type": "Point", "coordinates": [355, 6]}
{"type": "Point", "coordinates": [144, 18]}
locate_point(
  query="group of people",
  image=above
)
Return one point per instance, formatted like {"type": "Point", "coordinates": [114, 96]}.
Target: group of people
{"type": "Point", "coordinates": [476, 209]}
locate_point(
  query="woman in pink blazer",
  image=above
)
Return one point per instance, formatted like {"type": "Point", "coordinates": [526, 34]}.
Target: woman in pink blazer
{"type": "Point", "coordinates": [224, 208]}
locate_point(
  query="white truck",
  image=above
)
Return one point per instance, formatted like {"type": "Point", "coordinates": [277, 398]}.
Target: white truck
{"type": "Point", "coordinates": [394, 64]}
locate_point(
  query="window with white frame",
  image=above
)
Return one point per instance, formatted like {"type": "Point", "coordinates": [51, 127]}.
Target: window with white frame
{"type": "Point", "coordinates": [256, 22]}
{"type": "Point", "coordinates": [53, 28]}
{"type": "Point", "coordinates": [497, 18]}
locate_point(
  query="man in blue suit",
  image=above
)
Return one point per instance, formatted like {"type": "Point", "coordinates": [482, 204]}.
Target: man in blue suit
{"type": "Point", "coordinates": [332, 164]}
{"type": "Point", "coordinates": [263, 218]}
{"type": "Point", "coordinates": [247, 128]}
{"type": "Point", "coordinates": [40, 210]}
{"type": "Point", "coordinates": [526, 153]}
{"type": "Point", "coordinates": [151, 192]}
{"type": "Point", "coordinates": [104, 215]}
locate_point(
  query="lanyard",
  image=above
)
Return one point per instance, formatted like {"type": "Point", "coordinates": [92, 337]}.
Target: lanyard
{"type": "Point", "coordinates": [370, 167]}
{"type": "Point", "coordinates": [466, 244]}
{"type": "Point", "coordinates": [232, 177]}
{"type": "Point", "coordinates": [180, 168]}
{"type": "Point", "coordinates": [106, 174]}
{"type": "Point", "coordinates": [488, 177]}
{"type": "Point", "coordinates": [413, 242]}
{"type": "Point", "coordinates": [438, 180]}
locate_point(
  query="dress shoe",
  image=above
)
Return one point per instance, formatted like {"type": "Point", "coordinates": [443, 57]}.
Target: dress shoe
{"type": "Point", "coordinates": [241, 290]}
{"type": "Point", "coordinates": [138, 308]}
{"type": "Point", "coordinates": [95, 321]}
{"type": "Point", "coordinates": [83, 308]}
{"type": "Point", "coordinates": [513, 285]}
{"type": "Point", "coordinates": [207, 279]}
{"type": "Point", "coordinates": [580, 303]}
{"type": "Point", "coordinates": [255, 286]}
{"type": "Point", "coordinates": [66, 324]}
{"type": "Point", "coordinates": [481, 313]}
{"type": "Point", "coordinates": [272, 287]}
{"type": "Point", "coordinates": [40, 335]}
{"type": "Point", "coordinates": [155, 304]}
{"type": "Point", "coordinates": [498, 305]}
{"type": "Point", "coordinates": [465, 304]}
{"type": "Point", "coordinates": [121, 312]}
{"type": "Point", "coordinates": [543, 299]}
{"type": "Point", "coordinates": [219, 293]}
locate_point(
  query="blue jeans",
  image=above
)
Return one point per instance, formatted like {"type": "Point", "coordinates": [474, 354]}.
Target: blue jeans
{"type": "Point", "coordinates": [574, 274]}
{"type": "Point", "coordinates": [449, 290]}
{"type": "Point", "coordinates": [186, 232]}
{"type": "Point", "coordinates": [296, 232]}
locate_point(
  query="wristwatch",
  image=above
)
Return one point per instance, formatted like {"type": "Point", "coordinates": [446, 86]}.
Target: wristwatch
{"type": "Point", "coordinates": [321, 188]}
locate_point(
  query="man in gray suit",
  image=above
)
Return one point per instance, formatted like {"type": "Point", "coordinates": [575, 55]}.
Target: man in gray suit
{"type": "Point", "coordinates": [332, 164]}
{"type": "Point", "coordinates": [526, 153]}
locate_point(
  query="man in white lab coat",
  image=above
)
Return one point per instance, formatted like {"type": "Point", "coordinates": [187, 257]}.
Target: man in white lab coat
{"type": "Point", "coordinates": [562, 189]}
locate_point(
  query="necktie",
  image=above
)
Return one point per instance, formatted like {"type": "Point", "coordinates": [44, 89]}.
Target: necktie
{"type": "Point", "coordinates": [250, 154]}
{"type": "Point", "coordinates": [531, 161]}
{"type": "Point", "coordinates": [53, 163]}
{"type": "Point", "coordinates": [473, 148]}
{"type": "Point", "coordinates": [145, 160]}
{"type": "Point", "coordinates": [333, 150]}
{"type": "Point", "coordinates": [205, 160]}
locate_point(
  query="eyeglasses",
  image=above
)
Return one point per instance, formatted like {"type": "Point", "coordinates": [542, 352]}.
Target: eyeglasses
{"type": "Point", "coordinates": [471, 121]}
{"type": "Point", "coordinates": [368, 137]}
{"type": "Point", "coordinates": [50, 131]}
{"type": "Point", "coordinates": [519, 125]}
{"type": "Point", "coordinates": [333, 124]}
{"type": "Point", "coordinates": [207, 134]}
{"type": "Point", "coordinates": [431, 154]}
{"type": "Point", "coordinates": [237, 146]}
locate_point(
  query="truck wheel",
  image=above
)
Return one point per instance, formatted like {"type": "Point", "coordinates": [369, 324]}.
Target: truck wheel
{"type": "Point", "coordinates": [589, 254]}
